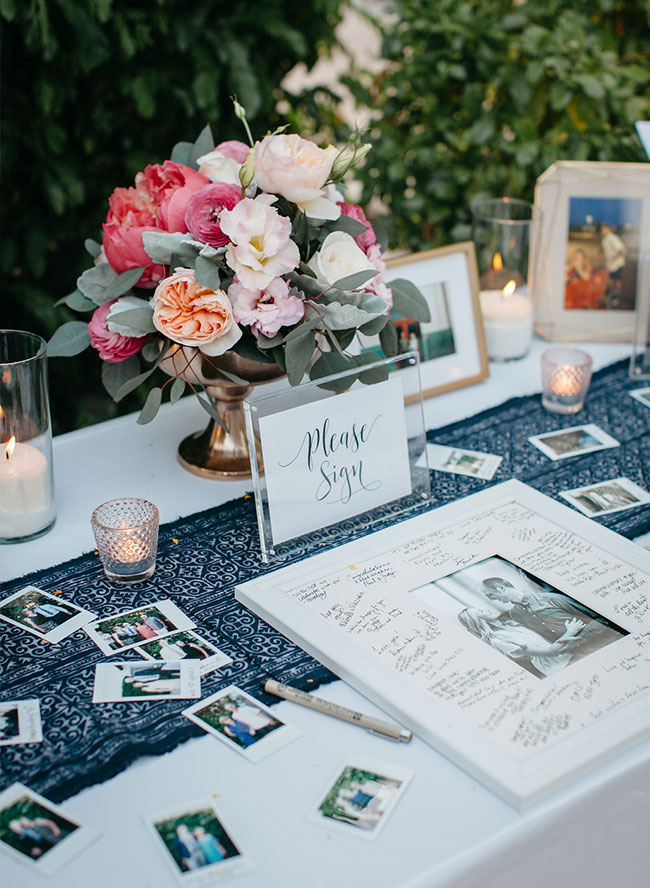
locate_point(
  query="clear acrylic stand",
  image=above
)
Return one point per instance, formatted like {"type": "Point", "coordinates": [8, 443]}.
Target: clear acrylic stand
{"type": "Point", "coordinates": [640, 360]}
{"type": "Point", "coordinates": [292, 512]}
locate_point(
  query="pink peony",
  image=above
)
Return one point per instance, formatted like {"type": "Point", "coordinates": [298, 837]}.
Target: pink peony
{"type": "Point", "coordinates": [169, 186]}
{"type": "Point", "coordinates": [367, 238]}
{"type": "Point", "coordinates": [123, 248]}
{"type": "Point", "coordinates": [267, 310]}
{"type": "Point", "coordinates": [235, 149]}
{"type": "Point", "coordinates": [204, 209]}
{"type": "Point", "coordinates": [191, 314]}
{"type": "Point", "coordinates": [112, 347]}
{"type": "Point", "coordinates": [261, 247]}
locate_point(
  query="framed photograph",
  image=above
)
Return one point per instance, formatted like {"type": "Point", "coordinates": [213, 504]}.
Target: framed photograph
{"type": "Point", "coordinates": [452, 344]}
{"type": "Point", "coordinates": [506, 629]}
{"type": "Point", "coordinates": [595, 225]}
{"type": "Point", "coordinates": [196, 845]}
{"type": "Point", "coordinates": [20, 722]}
{"type": "Point", "coordinates": [48, 616]}
{"type": "Point", "coordinates": [242, 723]}
{"type": "Point", "coordinates": [36, 832]}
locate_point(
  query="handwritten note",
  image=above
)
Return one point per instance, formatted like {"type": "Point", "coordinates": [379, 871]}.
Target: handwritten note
{"type": "Point", "coordinates": [335, 458]}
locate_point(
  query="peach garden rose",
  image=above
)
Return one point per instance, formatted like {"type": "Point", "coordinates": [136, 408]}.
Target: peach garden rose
{"type": "Point", "coordinates": [190, 314]}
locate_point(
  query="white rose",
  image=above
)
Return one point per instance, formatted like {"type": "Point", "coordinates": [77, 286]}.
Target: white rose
{"type": "Point", "coordinates": [219, 168]}
{"type": "Point", "coordinates": [293, 167]}
{"type": "Point", "coordinates": [337, 258]}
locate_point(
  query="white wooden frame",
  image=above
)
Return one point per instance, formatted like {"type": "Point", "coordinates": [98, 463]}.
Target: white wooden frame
{"type": "Point", "coordinates": [519, 780]}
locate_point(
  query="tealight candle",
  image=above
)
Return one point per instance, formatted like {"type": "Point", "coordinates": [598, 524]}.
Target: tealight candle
{"type": "Point", "coordinates": [24, 490]}
{"type": "Point", "coordinates": [566, 374]}
{"type": "Point", "coordinates": [508, 322]}
{"type": "Point", "coordinates": [126, 533]}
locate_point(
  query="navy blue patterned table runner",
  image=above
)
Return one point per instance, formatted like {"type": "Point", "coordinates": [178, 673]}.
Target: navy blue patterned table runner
{"type": "Point", "coordinates": [203, 556]}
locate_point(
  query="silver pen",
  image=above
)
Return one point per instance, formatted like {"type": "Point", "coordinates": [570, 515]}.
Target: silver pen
{"type": "Point", "coordinates": [375, 725]}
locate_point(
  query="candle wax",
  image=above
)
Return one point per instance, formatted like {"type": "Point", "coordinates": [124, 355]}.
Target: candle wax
{"type": "Point", "coordinates": [24, 492]}
{"type": "Point", "coordinates": [508, 324]}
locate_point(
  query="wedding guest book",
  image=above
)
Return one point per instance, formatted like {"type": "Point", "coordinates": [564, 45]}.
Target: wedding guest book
{"type": "Point", "coordinates": [505, 629]}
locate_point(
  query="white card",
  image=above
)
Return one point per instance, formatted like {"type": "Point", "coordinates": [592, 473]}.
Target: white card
{"type": "Point", "coordinates": [573, 441]}
{"type": "Point", "coordinates": [242, 722]}
{"type": "Point", "coordinates": [48, 616]}
{"type": "Point", "coordinates": [361, 796]}
{"type": "Point", "coordinates": [642, 395]}
{"type": "Point", "coordinates": [605, 497]}
{"type": "Point", "coordinates": [186, 645]}
{"type": "Point", "coordinates": [20, 722]}
{"type": "Point", "coordinates": [334, 458]}
{"type": "Point", "coordinates": [125, 630]}
{"type": "Point", "coordinates": [56, 839]}
{"type": "Point", "coordinates": [196, 845]}
{"type": "Point", "coordinates": [134, 681]}
{"type": "Point", "coordinates": [461, 462]}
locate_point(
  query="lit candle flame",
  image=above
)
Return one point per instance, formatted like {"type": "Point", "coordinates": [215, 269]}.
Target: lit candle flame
{"type": "Point", "coordinates": [9, 449]}
{"type": "Point", "coordinates": [497, 262]}
{"type": "Point", "coordinates": [509, 289]}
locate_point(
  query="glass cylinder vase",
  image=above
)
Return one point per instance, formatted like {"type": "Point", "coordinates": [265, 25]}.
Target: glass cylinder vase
{"type": "Point", "coordinates": [27, 508]}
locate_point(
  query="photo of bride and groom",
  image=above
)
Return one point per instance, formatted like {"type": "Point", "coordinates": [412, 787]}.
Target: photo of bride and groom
{"type": "Point", "coordinates": [521, 616]}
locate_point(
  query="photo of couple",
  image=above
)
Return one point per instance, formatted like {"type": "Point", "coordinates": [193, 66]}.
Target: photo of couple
{"type": "Point", "coordinates": [535, 625]}
{"type": "Point", "coordinates": [237, 719]}
{"type": "Point", "coordinates": [133, 628]}
{"type": "Point", "coordinates": [38, 611]}
{"type": "Point", "coordinates": [31, 828]}
{"type": "Point", "coordinates": [196, 839]}
{"type": "Point", "coordinates": [360, 798]}
{"type": "Point", "coordinates": [9, 727]}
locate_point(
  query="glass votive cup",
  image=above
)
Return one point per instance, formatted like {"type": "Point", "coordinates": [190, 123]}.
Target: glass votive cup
{"type": "Point", "coordinates": [566, 374]}
{"type": "Point", "coordinates": [126, 533]}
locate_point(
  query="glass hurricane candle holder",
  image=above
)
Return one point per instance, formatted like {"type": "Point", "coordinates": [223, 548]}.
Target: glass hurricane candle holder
{"type": "Point", "coordinates": [566, 374]}
{"type": "Point", "coordinates": [26, 471]}
{"type": "Point", "coordinates": [126, 533]}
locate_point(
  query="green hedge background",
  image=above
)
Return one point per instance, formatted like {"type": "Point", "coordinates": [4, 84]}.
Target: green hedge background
{"type": "Point", "coordinates": [478, 97]}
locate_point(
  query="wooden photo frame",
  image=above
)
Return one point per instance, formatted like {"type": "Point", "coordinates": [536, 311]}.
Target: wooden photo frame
{"type": "Point", "coordinates": [595, 225]}
{"type": "Point", "coordinates": [452, 347]}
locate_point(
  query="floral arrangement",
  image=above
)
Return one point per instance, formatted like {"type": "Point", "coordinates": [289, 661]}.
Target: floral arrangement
{"type": "Point", "coordinates": [235, 248]}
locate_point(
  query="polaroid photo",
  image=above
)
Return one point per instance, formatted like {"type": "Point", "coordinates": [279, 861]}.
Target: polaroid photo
{"type": "Point", "coordinates": [361, 796]}
{"type": "Point", "coordinates": [606, 497]}
{"type": "Point", "coordinates": [20, 722]}
{"type": "Point", "coordinates": [461, 462]}
{"type": "Point", "coordinates": [36, 832]}
{"type": "Point", "coordinates": [121, 632]}
{"type": "Point", "coordinates": [242, 722]}
{"type": "Point", "coordinates": [48, 616]}
{"type": "Point", "coordinates": [573, 441]}
{"type": "Point", "coordinates": [198, 848]}
{"type": "Point", "coordinates": [642, 395]}
{"type": "Point", "coordinates": [134, 681]}
{"type": "Point", "coordinates": [185, 645]}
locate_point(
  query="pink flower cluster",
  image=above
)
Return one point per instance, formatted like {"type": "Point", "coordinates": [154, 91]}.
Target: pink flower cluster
{"type": "Point", "coordinates": [367, 241]}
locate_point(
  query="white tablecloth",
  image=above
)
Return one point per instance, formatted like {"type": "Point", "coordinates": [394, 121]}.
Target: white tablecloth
{"type": "Point", "coordinates": [447, 831]}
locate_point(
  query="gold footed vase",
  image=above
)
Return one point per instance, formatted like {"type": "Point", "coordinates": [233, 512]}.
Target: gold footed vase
{"type": "Point", "coordinates": [214, 453]}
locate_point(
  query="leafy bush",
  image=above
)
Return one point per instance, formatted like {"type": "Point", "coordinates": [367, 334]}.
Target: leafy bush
{"type": "Point", "coordinates": [102, 88]}
{"type": "Point", "coordinates": [481, 96]}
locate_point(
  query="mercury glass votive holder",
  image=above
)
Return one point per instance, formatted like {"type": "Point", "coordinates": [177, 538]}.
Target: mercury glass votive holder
{"type": "Point", "coordinates": [126, 533]}
{"type": "Point", "coordinates": [566, 374]}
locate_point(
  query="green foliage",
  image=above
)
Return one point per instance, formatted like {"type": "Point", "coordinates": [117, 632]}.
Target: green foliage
{"type": "Point", "coordinates": [481, 96]}
{"type": "Point", "coordinates": [107, 87]}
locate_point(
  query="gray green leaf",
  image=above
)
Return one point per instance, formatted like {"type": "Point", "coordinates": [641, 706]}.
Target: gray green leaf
{"type": "Point", "coordinates": [70, 339]}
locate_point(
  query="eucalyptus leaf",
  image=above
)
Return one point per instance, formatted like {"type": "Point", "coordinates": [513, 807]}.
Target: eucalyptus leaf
{"type": "Point", "coordinates": [246, 348]}
{"type": "Point", "coordinates": [138, 319]}
{"type": "Point", "coordinates": [301, 230]}
{"type": "Point", "coordinates": [151, 406]}
{"type": "Point", "coordinates": [353, 281]}
{"type": "Point", "coordinates": [94, 282]}
{"type": "Point", "coordinates": [176, 390]}
{"type": "Point", "coordinates": [329, 364]}
{"type": "Point", "coordinates": [211, 410]}
{"type": "Point", "coordinates": [132, 384]}
{"type": "Point", "coordinates": [373, 327]}
{"type": "Point", "coordinates": [77, 301]}
{"type": "Point", "coordinates": [278, 357]}
{"type": "Point", "coordinates": [344, 317]}
{"type": "Point", "coordinates": [302, 329]}
{"type": "Point", "coordinates": [70, 339]}
{"type": "Point", "coordinates": [92, 247]}
{"type": "Point", "coordinates": [207, 273]}
{"type": "Point", "coordinates": [170, 248]}
{"type": "Point", "coordinates": [232, 376]}
{"type": "Point", "coordinates": [266, 342]}
{"type": "Point", "coordinates": [297, 355]}
{"type": "Point", "coordinates": [151, 350]}
{"type": "Point", "coordinates": [372, 303]}
{"type": "Point", "coordinates": [123, 283]}
{"type": "Point", "coordinates": [306, 270]}
{"type": "Point", "coordinates": [344, 223]}
{"type": "Point", "coordinates": [182, 152]}
{"type": "Point", "coordinates": [377, 374]}
{"type": "Point", "coordinates": [204, 145]}
{"type": "Point", "coordinates": [389, 340]}
{"type": "Point", "coordinates": [408, 301]}
{"type": "Point", "coordinates": [115, 375]}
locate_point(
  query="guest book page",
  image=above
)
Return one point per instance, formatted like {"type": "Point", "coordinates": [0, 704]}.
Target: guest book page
{"type": "Point", "coordinates": [504, 629]}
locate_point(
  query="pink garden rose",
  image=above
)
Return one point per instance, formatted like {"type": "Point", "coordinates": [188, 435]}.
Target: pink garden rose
{"type": "Point", "coordinates": [235, 149]}
{"type": "Point", "coordinates": [124, 250]}
{"type": "Point", "coordinates": [169, 186]}
{"type": "Point", "coordinates": [204, 209]}
{"type": "Point", "coordinates": [292, 167]}
{"type": "Point", "coordinates": [112, 347]}
{"type": "Point", "coordinates": [267, 310]}
{"type": "Point", "coordinates": [261, 247]}
{"type": "Point", "coordinates": [367, 238]}
{"type": "Point", "coordinates": [191, 314]}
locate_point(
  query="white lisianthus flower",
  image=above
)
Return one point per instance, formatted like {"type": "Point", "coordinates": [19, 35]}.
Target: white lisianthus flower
{"type": "Point", "coordinates": [261, 247]}
{"type": "Point", "coordinates": [337, 258]}
{"type": "Point", "coordinates": [125, 303]}
{"type": "Point", "coordinates": [219, 168]}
